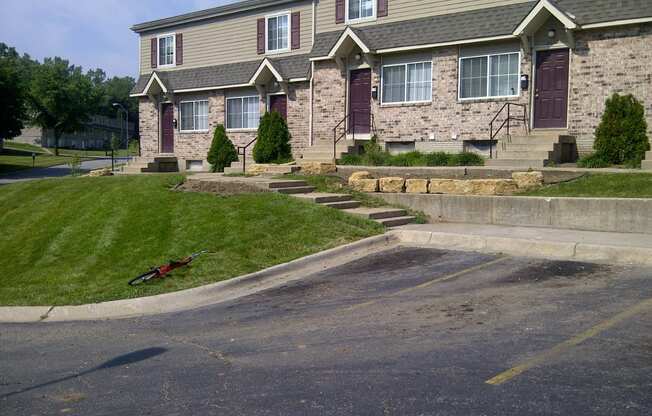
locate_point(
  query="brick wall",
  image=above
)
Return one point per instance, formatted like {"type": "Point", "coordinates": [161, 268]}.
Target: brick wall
{"type": "Point", "coordinates": [195, 146]}
{"type": "Point", "coordinates": [329, 92]}
{"type": "Point", "coordinates": [605, 61]}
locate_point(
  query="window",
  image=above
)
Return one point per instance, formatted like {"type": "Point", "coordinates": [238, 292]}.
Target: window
{"type": "Point", "coordinates": [490, 76]}
{"type": "Point", "coordinates": [407, 83]}
{"type": "Point", "coordinates": [194, 115]}
{"type": "Point", "coordinates": [360, 9]}
{"type": "Point", "coordinates": [278, 29]}
{"type": "Point", "coordinates": [242, 112]}
{"type": "Point", "coordinates": [166, 50]}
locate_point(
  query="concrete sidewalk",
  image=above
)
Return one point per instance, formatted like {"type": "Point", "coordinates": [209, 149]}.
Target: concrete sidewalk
{"type": "Point", "coordinates": [621, 248]}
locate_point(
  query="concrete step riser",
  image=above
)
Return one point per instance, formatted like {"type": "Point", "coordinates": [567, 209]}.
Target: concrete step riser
{"type": "Point", "coordinates": [396, 222]}
{"type": "Point", "coordinates": [327, 199]}
{"type": "Point", "coordinates": [517, 163]}
{"type": "Point", "coordinates": [287, 184]}
{"type": "Point", "coordinates": [646, 165]}
{"type": "Point", "coordinates": [648, 155]}
{"type": "Point", "coordinates": [524, 155]}
{"type": "Point", "coordinates": [295, 190]}
{"type": "Point", "coordinates": [342, 205]}
{"type": "Point", "coordinates": [513, 147]}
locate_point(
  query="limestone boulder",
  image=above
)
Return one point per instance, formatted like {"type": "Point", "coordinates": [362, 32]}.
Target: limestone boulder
{"type": "Point", "coordinates": [100, 172]}
{"type": "Point", "coordinates": [256, 169]}
{"type": "Point", "coordinates": [493, 186]}
{"type": "Point", "coordinates": [360, 175]}
{"type": "Point", "coordinates": [364, 185]}
{"type": "Point", "coordinates": [528, 180]}
{"type": "Point", "coordinates": [317, 168]}
{"type": "Point", "coordinates": [416, 186]}
{"type": "Point", "coordinates": [450, 186]}
{"type": "Point", "coordinates": [392, 185]}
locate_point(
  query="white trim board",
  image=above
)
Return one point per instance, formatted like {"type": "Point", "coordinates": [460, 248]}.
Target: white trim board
{"type": "Point", "coordinates": [348, 33]}
{"type": "Point", "coordinates": [266, 64]}
{"type": "Point", "coordinates": [541, 6]}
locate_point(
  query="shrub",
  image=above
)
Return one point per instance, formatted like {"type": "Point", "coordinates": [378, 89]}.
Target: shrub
{"type": "Point", "coordinates": [437, 159]}
{"type": "Point", "coordinates": [354, 160]}
{"type": "Point", "coordinates": [593, 161]}
{"type": "Point", "coordinates": [222, 152]}
{"type": "Point", "coordinates": [466, 159]}
{"type": "Point", "coordinates": [75, 165]}
{"type": "Point", "coordinates": [621, 136]}
{"type": "Point", "coordinates": [408, 159]}
{"type": "Point", "coordinates": [273, 144]}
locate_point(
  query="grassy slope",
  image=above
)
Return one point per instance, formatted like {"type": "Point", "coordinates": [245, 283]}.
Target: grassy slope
{"type": "Point", "coordinates": [18, 156]}
{"type": "Point", "coordinates": [79, 240]}
{"type": "Point", "coordinates": [602, 185]}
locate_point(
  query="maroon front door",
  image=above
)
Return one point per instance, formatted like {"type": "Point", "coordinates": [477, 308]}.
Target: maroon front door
{"type": "Point", "coordinates": [279, 103]}
{"type": "Point", "coordinates": [551, 90]}
{"type": "Point", "coordinates": [360, 101]}
{"type": "Point", "coordinates": [167, 128]}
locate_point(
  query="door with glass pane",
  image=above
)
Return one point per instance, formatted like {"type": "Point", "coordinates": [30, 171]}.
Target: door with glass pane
{"type": "Point", "coordinates": [360, 101]}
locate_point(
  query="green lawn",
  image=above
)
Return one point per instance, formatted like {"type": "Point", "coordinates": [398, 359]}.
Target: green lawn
{"type": "Point", "coordinates": [601, 185]}
{"type": "Point", "coordinates": [13, 160]}
{"type": "Point", "coordinates": [80, 240]}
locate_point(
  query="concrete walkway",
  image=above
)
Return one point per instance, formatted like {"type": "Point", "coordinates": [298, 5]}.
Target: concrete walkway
{"type": "Point", "coordinates": [57, 171]}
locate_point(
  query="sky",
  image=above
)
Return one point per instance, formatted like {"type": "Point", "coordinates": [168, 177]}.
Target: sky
{"type": "Point", "coordinates": [90, 33]}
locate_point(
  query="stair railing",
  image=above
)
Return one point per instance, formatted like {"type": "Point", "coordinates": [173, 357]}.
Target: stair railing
{"type": "Point", "coordinates": [507, 123]}
{"type": "Point", "coordinates": [349, 126]}
{"type": "Point", "coordinates": [242, 151]}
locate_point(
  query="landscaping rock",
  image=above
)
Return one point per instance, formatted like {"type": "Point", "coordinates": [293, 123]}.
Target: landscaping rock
{"type": "Point", "coordinates": [528, 180]}
{"type": "Point", "coordinates": [256, 169]}
{"type": "Point", "coordinates": [450, 186]}
{"type": "Point", "coordinates": [100, 172]}
{"type": "Point", "coordinates": [317, 168]}
{"type": "Point", "coordinates": [493, 187]}
{"type": "Point", "coordinates": [360, 175]}
{"type": "Point", "coordinates": [416, 186]}
{"type": "Point", "coordinates": [364, 185]}
{"type": "Point", "coordinates": [392, 185]}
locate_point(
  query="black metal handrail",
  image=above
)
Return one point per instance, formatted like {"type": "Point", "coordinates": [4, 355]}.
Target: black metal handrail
{"type": "Point", "coordinates": [242, 151]}
{"type": "Point", "coordinates": [506, 123]}
{"type": "Point", "coordinates": [352, 126]}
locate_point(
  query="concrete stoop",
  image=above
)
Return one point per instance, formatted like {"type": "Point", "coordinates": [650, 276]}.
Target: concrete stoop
{"type": "Point", "coordinates": [322, 151]}
{"type": "Point", "coordinates": [647, 163]}
{"type": "Point", "coordinates": [152, 165]}
{"type": "Point", "coordinates": [534, 151]}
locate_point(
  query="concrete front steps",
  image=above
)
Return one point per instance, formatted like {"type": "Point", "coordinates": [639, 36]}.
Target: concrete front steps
{"type": "Point", "coordinates": [322, 151]}
{"type": "Point", "coordinates": [151, 164]}
{"type": "Point", "coordinates": [647, 163]}
{"type": "Point", "coordinates": [537, 150]}
{"type": "Point", "coordinates": [389, 217]}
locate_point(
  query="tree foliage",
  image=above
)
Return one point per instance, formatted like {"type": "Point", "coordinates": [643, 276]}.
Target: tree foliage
{"type": "Point", "coordinates": [273, 144]}
{"type": "Point", "coordinates": [222, 152]}
{"type": "Point", "coordinates": [621, 136]}
{"type": "Point", "coordinates": [13, 97]}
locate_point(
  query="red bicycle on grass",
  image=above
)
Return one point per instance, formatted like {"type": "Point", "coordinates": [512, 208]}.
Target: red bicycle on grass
{"type": "Point", "coordinates": [161, 271]}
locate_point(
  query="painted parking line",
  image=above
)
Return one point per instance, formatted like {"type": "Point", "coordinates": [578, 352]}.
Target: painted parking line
{"type": "Point", "coordinates": [430, 283]}
{"type": "Point", "coordinates": [559, 349]}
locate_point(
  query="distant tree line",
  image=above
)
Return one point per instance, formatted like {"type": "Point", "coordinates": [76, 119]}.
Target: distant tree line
{"type": "Point", "coordinates": [56, 95]}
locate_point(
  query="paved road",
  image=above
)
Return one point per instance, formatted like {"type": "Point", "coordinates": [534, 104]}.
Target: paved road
{"type": "Point", "coordinates": [405, 332]}
{"type": "Point", "coordinates": [55, 171]}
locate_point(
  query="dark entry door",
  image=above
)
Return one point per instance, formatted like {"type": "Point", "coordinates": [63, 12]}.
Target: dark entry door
{"type": "Point", "coordinates": [551, 91]}
{"type": "Point", "coordinates": [167, 128]}
{"type": "Point", "coordinates": [279, 103]}
{"type": "Point", "coordinates": [360, 101]}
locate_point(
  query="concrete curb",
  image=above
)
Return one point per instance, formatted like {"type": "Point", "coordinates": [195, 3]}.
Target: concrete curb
{"type": "Point", "coordinates": [549, 249]}
{"type": "Point", "coordinates": [203, 295]}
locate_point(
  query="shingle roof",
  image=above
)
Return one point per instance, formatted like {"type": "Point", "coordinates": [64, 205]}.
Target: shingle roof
{"type": "Point", "coordinates": [297, 66]}
{"type": "Point", "coordinates": [599, 11]}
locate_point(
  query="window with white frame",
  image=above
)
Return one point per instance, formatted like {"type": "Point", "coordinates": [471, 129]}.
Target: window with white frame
{"type": "Point", "coordinates": [360, 9]}
{"type": "Point", "coordinates": [194, 115]}
{"type": "Point", "coordinates": [166, 50]}
{"type": "Point", "coordinates": [490, 76]}
{"type": "Point", "coordinates": [242, 112]}
{"type": "Point", "coordinates": [407, 83]}
{"type": "Point", "coordinates": [278, 30]}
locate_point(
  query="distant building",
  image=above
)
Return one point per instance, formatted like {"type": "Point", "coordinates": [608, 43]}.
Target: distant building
{"type": "Point", "coordinates": [95, 135]}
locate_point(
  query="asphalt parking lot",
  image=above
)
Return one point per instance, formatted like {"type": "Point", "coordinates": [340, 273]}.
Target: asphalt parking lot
{"type": "Point", "coordinates": [408, 331]}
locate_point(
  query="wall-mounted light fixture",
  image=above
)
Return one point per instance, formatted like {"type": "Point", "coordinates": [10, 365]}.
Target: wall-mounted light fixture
{"type": "Point", "coordinates": [358, 57]}
{"type": "Point", "coordinates": [552, 33]}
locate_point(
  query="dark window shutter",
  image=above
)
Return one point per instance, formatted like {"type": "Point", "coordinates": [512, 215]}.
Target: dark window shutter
{"type": "Point", "coordinates": [339, 11]}
{"type": "Point", "coordinates": [296, 30]}
{"type": "Point", "coordinates": [178, 42]}
{"type": "Point", "coordinates": [382, 8]}
{"type": "Point", "coordinates": [154, 54]}
{"type": "Point", "coordinates": [261, 35]}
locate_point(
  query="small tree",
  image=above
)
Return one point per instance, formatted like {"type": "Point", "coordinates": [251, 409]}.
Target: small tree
{"type": "Point", "coordinates": [273, 144]}
{"type": "Point", "coordinates": [222, 152]}
{"type": "Point", "coordinates": [61, 98]}
{"type": "Point", "coordinates": [115, 142]}
{"type": "Point", "coordinates": [622, 133]}
{"type": "Point", "coordinates": [12, 93]}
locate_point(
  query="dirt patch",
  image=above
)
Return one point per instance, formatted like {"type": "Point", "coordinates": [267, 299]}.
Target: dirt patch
{"type": "Point", "coordinates": [557, 271]}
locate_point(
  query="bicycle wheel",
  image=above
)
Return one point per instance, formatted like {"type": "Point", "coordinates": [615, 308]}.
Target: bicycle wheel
{"type": "Point", "coordinates": [143, 277]}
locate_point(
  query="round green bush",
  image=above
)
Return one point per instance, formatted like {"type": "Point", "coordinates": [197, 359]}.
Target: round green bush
{"type": "Point", "coordinates": [273, 143]}
{"type": "Point", "coordinates": [622, 134]}
{"type": "Point", "coordinates": [222, 152]}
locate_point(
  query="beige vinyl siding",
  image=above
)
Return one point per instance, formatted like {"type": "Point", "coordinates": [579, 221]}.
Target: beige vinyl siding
{"type": "Point", "coordinates": [227, 39]}
{"type": "Point", "coordinates": [406, 10]}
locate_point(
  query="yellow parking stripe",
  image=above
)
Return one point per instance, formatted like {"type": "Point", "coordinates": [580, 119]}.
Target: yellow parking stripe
{"type": "Point", "coordinates": [431, 282]}
{"type": "Point", "coordinates": [566, 345]}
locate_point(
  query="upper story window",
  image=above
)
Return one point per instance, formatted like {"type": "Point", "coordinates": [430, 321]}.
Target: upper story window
{"type": "Point", "coordinates": [193, 115]}
{"type": "Point", "coordinates": [490, 76]}
{"type": "Point", "coordinates": [166, 50]}
{"type": "Point", "coordinates": [360, 10]}
{"type": "Point", "coordinates": [278, 32]}
{"type": "Point", "coordinates": [243, 112]}
{"type": "Point", "coordinates": [407, 83]}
